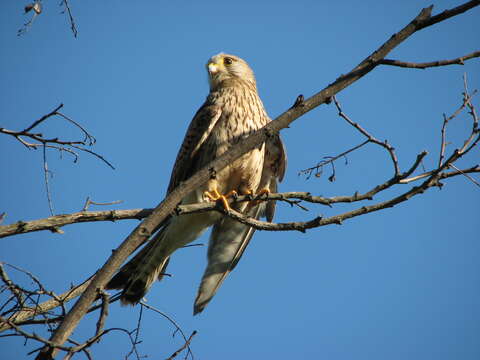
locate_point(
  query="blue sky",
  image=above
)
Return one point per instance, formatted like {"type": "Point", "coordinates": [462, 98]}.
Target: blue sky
{"type": "Point", "coordinates": [401, 283]}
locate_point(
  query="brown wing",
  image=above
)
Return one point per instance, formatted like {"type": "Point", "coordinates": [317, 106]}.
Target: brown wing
{"type": "Point", "coordinates": [273, 170]}
{"type": "Point", "coordinates": [198, 131]}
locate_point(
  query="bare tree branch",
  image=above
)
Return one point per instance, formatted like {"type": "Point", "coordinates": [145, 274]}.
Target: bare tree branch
{"type": "Point", "coordinates": [318, 169]}
{"type": "Point", "coordinates": [103, 313]}
{"type": "Point", "coordinates": [39, 141]}
{"type": "Point", "coordinates": [55, 143]}
{"type": "Point", "coordinates": [184, 346]}
{"type": "Point", "coordinates": [177, 327]}
{"type": "Point", "coordinates": [457, 61]}
{"type": "Point", "coordinates": [54, 223]}
{"type": "Point", "coordinates": [36, 6]}
{"type": "Point", "coordinates": [466, 101]}
{"type": "Point", "coordinates": [70, 16]}
{"type": "Point", "coordinates": [370, 137]}
{"type": "Point", "coordinates": [89, 202]}
{"type": "Point", "coordinates": [26, 313]}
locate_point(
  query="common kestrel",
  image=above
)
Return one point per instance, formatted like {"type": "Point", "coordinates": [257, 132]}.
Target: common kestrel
{"type": "Point", "coordinates": [231, 112]}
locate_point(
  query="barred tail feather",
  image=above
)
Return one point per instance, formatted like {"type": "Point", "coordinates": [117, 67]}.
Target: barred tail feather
{"type": "Point", "coordinates": [137, 276]}
{"type": "Point", "coordinates": [138, 285]}
{"type": "Point", "coordinates": [228, 241]}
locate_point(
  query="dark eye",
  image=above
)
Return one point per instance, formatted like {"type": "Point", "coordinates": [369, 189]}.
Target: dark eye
{"type": "Point", "coordinates": [228, 61]}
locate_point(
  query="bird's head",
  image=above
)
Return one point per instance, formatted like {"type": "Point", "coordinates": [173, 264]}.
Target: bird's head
{"type": "Point", "coordinates": [222, 67]}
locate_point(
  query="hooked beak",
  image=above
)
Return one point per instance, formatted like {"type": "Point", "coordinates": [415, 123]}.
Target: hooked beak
{"type": "Point", "coordinates": [212, 68]}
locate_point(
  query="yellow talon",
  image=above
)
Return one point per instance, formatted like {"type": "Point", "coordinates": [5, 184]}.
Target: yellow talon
{"type": "Point", "coordinates": [216, 196]}
{"type": "Point", "coordinates": [224, 201]}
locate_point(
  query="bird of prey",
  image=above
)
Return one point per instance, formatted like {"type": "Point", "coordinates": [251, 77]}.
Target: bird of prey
{"type": "Point", "coordinates": [231, 112]}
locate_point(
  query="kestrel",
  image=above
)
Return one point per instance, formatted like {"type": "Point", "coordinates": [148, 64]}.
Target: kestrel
{"type": "Point", "coordinates": [231, 112]}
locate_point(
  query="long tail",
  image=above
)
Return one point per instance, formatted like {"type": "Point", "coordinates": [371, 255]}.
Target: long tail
{"type": "Point", "coordinates": [137, 276]}
{"type": "Point", "coordinates": [228, 241]}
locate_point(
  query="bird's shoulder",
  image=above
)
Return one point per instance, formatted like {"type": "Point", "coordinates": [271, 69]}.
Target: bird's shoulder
{"type": "Point", "coordinates": [198, 131]}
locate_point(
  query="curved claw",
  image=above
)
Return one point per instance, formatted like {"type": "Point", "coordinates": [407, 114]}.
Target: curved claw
{"type": "Point", "coordinates": [216, 196]}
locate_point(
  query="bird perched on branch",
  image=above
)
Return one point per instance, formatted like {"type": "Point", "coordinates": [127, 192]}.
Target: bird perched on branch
{"type": "Point", "coordinates": [231, 112]}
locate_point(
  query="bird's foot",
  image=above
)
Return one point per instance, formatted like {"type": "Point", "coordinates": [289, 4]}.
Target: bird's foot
{"type": "Point", "coordinates": [214, 195]}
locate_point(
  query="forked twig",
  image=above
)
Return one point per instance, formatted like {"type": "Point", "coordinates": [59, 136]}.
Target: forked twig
{"type": "Point", "coordinates": [37, 140]}
{"type": "Point", "coordinates": [318, 169]}
{"type": "Point", "coordinates": [369, 137]}
{"type": "Point", "coordinates": [177, 327]}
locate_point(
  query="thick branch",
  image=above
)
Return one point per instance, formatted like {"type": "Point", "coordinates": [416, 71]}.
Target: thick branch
{"type": "Point", "coordinates": [54, 223]}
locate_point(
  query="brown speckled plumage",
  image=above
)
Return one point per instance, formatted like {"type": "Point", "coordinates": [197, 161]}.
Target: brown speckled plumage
{"type": "Point", "coordinates": [231, 112]}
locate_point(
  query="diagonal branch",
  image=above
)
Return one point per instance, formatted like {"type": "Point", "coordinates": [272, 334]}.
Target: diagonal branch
{"type": "Point", "coordinates": [73, 27]}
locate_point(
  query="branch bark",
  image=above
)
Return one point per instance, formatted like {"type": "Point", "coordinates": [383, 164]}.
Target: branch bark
{"type": "Point", "coordinates": [54, 223]}
{"type": "Point", "coordinates": [457, 61]}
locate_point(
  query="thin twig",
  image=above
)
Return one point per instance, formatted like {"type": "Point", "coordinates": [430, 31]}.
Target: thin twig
{"type": "Point", "coordinates": [94, 154]}
{"type": "Point", "coordinates": [466, 175]}
{"type": "Point", "coordinates": [318, 168]}
{"type": "Point", "coordinates": [70, 354]}
{"type": "Point", "coordinates": [55, 143]}
{"type": "Point", "coordinates": [135, 340]}
{"type": "Point", "coordinates": [184, 346]}
{"type": "Point", "coordinates": [36, 6]}
{"type": "Point", "coordinates": [12, 287]}
{"type": "Point", "coordinates": [46, 174]}
{"type": "Point", "coordinates": [457, 61]}
{"type": "Point", "coordinates": [27, 313]}
{"type": "Point", "coordinates": [70, 16]}
{"type": "Point", "coordinates": [466, 102]}
{"type": "Point", "coordinates": [42, 119]}
{"type": "Point", "coordinates": [177, 327]}
{"type": "Point", "coordinates": [370, 137]}
{"type": "Point", "coordinates": [89, 202]}
{"type": "Point", "coordinates": [444, 175]}
{"type": "Point", "coordinates": [103, 313]}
